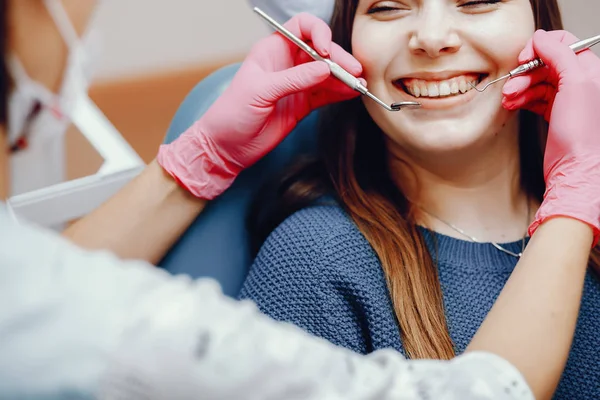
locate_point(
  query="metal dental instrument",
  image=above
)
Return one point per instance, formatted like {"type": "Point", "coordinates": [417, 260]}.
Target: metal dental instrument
{"type": "Point", "coordinates": [336, 70]}
{"type": "Point", "coordinates": [577, 47]}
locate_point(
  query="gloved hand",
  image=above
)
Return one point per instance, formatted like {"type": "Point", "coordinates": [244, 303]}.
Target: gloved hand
{"type": "Point", "coordinates": [276, 86]}
{"type": "Point", "coordinates": [567, 93]}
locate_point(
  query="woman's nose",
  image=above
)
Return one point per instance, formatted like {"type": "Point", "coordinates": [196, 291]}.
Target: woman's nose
{"type": "Point", "coordinates": [434, 35]}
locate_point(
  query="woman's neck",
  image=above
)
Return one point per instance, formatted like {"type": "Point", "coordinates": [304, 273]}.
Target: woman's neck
{"type": "Point", "coordinates": [477, 190]}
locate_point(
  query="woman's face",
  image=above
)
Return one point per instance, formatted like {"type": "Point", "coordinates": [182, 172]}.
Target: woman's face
{"type": "Point", "coordinates": [429, 51]}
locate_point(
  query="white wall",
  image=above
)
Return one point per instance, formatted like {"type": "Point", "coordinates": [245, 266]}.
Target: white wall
{"type": "Point", "coordinates": [582, 17]}
{"type": "Point", "coordinates": [143, 36]}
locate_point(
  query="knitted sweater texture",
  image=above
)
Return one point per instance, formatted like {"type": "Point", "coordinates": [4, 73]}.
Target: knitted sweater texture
{"type": "Point", "coordinates": [317, 271]}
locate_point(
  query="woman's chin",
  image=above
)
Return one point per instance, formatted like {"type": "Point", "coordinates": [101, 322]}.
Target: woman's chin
{"type": "Point", "coordinates": [442, 137]}
{"type": "Point", "coordinates": [450, 126]}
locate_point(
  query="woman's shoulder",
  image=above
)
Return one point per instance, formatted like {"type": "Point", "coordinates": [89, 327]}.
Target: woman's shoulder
{"type": "Point", "coordinates": [319, 272]}
{"type": "Point", "coordinates": [319, 226]}
{"type": "Point", "coordinates": [322, 241]}
{"type": "Point", "coordinates": [303, 251]}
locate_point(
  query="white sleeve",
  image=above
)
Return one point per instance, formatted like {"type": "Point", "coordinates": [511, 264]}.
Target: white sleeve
{"type": "Point", "coordinates": [283, 10]}
{"type": "Point", "coordinates": [80, 324]}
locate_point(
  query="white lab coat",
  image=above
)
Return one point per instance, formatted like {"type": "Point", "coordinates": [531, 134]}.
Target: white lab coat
{"type": "Point", "coordinates": [283, 10]}
{"type": "Point", "coordinates": [77, 324]}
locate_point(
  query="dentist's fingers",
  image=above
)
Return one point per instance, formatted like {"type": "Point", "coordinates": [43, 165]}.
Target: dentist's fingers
{"type": "Point", "coordinates": [587, 58]}
{"type": "Point", "coordinates": [334, 85]}
{"type": "Point", "coordinates": [301, 57]}
{"type": "Point", "coordinates": [562, 62]}
{"type": "Point", "coordinates": [339, 56]}
{"type": "Point", "coordinates": [540, 92]}
{"type": "Point", "coordinates": [519, 84]}
{"type": "Point", "coordinates": [308, 28]}
{"type": "Point", "coordinates": [312, 29]}
{"type": "Point", "coordinates": [294, 80]}
{"type": "Point", "coordinates": [553, 46]}
{"type": "Point", "coordinates": [333, 91]}
{"type": "Point", "coordinates": [316, 31]}
{"type": "Point", "coordinates": [528, 53]}
{"type": "Point", "coordinates": [541, 108]}
{"type": "Point", "coordinates": [305, 77]}
{"type": "Point", "coordinates": [346, 60]}
{"type": "Point", "coordinates": [538, 99]}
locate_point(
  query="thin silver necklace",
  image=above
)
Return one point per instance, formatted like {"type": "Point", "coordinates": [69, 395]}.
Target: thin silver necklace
{"type": "Point", "coordinates": [496, 245]}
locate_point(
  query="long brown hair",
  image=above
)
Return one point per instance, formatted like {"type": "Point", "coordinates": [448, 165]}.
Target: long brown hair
{"type": "Point", "coordinates": [352, 165]}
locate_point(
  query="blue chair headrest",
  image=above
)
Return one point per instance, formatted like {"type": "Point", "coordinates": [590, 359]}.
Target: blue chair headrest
{"type": "Point", "coordinates": [217, 244]}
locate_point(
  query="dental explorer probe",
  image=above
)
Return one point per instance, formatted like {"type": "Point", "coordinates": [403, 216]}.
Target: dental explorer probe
{"type": "Point", "coordinates": [336, 69]}
{"type": "Point", "coordinates": [577, 47]}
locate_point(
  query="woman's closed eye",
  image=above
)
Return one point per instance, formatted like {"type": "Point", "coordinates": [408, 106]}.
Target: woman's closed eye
{"type": "Point", "coordinates": [479, 3]}
{"type": "Point", "coordinates": [388, 7]}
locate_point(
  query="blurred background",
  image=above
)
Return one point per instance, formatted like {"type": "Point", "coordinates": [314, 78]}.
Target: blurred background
{"type": "Point", "coordinates": [155, 51]}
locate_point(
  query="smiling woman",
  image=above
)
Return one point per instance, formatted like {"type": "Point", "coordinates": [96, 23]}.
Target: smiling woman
{"type": "Point", "coordinates": [415, 220]}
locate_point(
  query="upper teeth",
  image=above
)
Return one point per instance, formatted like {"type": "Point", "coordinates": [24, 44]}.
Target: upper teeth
{"type": "Point", "coordinates": [422, 88]}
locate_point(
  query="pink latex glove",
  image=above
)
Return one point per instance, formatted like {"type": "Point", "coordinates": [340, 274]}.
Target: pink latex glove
{"type": "Point", "coordinates": [276, 86]}
{"type": "Point", "coordinates": [567, 93]}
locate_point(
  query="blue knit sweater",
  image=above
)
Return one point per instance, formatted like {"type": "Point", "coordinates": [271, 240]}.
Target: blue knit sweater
{"type": "Point", "coordinates": [317, 271]}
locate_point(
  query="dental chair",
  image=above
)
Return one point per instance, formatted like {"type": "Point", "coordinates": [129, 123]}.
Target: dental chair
{"type": "Point", "coordinates": [217, 244]}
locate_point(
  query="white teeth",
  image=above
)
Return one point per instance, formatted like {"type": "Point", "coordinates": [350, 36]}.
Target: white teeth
{"type": "Point", "coordinates": [445, 89]}
{"type": "Point", "coordinates": [454, 86]}
{"type": "Point", "coordinates": [417, 91]}
{"type": "Point", "coordinates": [433, 89]}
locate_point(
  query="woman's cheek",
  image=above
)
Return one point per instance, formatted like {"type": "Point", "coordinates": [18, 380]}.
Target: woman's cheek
{"type": "Point", "coordinates": [359, 48]}
{"type": "Point", "coordinates": [370, 52]}
{"type": "Point", "coordinates": [514, 37]}
{"type": "Point", "coordinates": [511, 49]}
